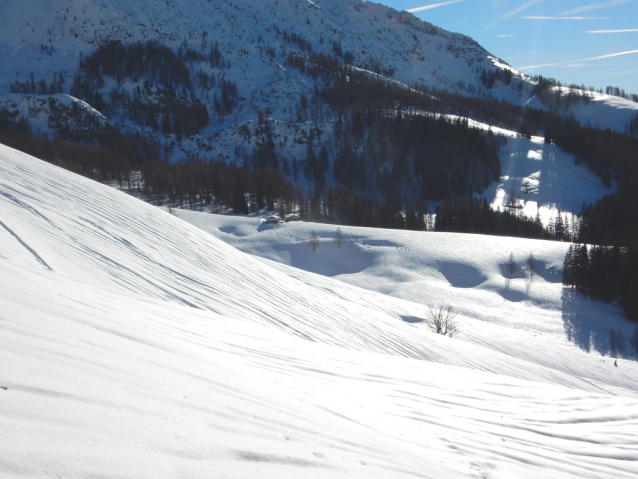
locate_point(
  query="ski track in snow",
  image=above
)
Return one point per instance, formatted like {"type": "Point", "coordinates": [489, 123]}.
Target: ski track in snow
{"type": "Point", "coordinates": [150, 348]}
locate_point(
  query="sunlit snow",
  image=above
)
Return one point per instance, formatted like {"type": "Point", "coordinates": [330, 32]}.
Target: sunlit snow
{"type": "Point", "coordinates": [135, 344]}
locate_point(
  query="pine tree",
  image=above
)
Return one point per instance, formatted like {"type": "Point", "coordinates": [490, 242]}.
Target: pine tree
{"type": "Point", "coordinates": [568, 268]}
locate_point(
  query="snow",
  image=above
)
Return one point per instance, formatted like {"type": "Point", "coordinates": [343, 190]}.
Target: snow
{"type": "Point", "coordinates": [543, 177]}
{"type": "Point", "coordinates": [38, 110]}
{"type": "Point", "coordinates": [599, 111]}
{"type": "Point", "coordinates": [135, 344]}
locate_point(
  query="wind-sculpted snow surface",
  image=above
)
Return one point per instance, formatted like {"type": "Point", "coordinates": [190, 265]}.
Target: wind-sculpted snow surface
{"type": "Point", "coordinates": [520, 317]}
{"type": "Point", "coordinates": [137, 345]}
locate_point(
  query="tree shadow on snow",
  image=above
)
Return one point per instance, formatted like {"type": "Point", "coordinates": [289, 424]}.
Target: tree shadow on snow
{"type": "Point", "coordinates": [586, 326]}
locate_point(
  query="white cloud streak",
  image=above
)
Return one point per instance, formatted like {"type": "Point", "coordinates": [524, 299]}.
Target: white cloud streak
{"type": "Point", "coordinates": [435, 5]}
{"type": "Point", "coordinates": [566, 18]}
{"type": "Point", "coordinates": [576, 62]}
{"type": "Point", "coordinates": [504, 36]}
{"type": "Point", "coordinates": [614, 31]}
{"type": "Point", "coordinates": [611, 3]}
{"type": "Point", "coordinates": [511, 14]}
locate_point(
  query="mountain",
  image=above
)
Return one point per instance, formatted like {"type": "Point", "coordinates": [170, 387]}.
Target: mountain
{"type": "Point", "coordinates": [135, 343]}
{"type": "Point", "coordinates": [235, 57]}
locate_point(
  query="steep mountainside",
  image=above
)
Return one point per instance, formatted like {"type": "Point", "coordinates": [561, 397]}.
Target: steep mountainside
{"type": "Point", "coordinates": [235, 57]}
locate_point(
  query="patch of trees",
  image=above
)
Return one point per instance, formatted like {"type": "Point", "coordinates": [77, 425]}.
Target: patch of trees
{"type": "Point", "coordinates": [631, 128]}
{"type": "Point", "coordinates": [607, 270]}
{"type": "Point", "coordinates": [489, 78]}
{"type": "Point", "coordinates": [163, 95]}
{"type": "Point", "coordinates": [214, 56]}
{"type": "Point", "coordinates": [615, 91]}
{"type": "Point", "coordinates": [149, 60]}
{"type": "Point", "coordinates": [471, 215]}
{"type": "Point", "coordinates": [611, 155]}
{"type": "Point", "coordinates": [216, 186]}
{"type": "Point", "coordinates": [431, 158]}
{"type": "Point", "coordinates": [297, 39]}
{"type": "Point", "coordinates": [113, 160]}
{"type": "Point", "coordinates": [606, 273]}
{"type": "Point", "coordinates": [41, 87]}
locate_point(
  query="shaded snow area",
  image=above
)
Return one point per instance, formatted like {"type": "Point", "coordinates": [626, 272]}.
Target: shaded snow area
{"type": "Point", "coordinates": [595, 109]}
{"type": "Point", "coordinates": [135, 344]}
{"type": "Point", "coordinates": [543, 178]}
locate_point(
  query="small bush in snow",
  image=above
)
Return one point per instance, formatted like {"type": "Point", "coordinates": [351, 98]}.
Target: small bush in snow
{"type": "Point", "coordinates": [441, 321]}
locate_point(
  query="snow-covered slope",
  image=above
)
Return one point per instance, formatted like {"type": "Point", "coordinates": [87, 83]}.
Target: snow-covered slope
{"type": "Point", "coordinates": [589, 108]}
{"type": "Point", "coordinates": [69, 117]}
{"type": "Point", "coordinates": [373, 33]}
{"type": "Point", "coordinates": [135, 344]}
{"type": "Point", "coordinates": [43, 46]}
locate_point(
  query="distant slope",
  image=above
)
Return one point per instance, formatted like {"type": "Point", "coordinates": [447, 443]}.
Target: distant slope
{"type": "Point", "coordinates": [594, 109]}
{"type": "Point", "coordinates": [373, 34]}
{"type": "Point", "coordinates": [136, 344]}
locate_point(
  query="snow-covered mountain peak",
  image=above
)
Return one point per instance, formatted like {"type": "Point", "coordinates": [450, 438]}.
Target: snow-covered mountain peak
{"type": "Point", "coordinates": [373, 34]}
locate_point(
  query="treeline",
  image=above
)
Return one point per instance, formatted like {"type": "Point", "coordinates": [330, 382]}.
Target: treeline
{"type": "Point", "coordinates": [112, 161]}
{"type": "Point", "coordinates": [216, 186]}
{"type": "Point", "coordinates": [611, 155]}
{"type": "Point", "coordinates": [41, 87]}
{"type": "Point", "coordinates": [345, 87]}
{"type": "Point", "coordinates": [471, 215]}
{"type": "Point", "coordinates": [607, 270]}
{"type": "Point", "coordinates": [606, 273]}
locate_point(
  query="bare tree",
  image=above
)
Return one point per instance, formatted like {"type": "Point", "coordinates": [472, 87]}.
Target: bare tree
{"type": "Point", "coordinates": [339, 237]}
{"type": "Point", "coordinates": [441, 321]}
{"type": "Point", "coordinates": [511, 264]}
{"type": "Point", "coordinates": [172, 211]}
{"type": "Point", "coordinates": [531, 265]}
{"type": "Point", "coordinates": [313, 241]}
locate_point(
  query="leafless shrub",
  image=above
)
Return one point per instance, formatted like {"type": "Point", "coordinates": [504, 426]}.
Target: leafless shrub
{"type": "Point", "coordinates": [441, 320]}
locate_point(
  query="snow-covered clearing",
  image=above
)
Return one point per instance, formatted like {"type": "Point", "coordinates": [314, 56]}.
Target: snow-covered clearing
{"type": "Point", "coordinates": [543, 178]}
{"type": "Point", "coordinates": [134, 344]}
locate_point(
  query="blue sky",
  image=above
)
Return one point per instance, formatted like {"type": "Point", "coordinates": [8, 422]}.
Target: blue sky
{"type": "Point", "coordinates": [584, 42]}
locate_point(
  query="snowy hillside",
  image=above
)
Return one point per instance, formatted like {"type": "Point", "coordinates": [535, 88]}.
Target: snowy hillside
{"type": "Point", "coordinates": [373, 33]}
{"type": "Point", "coordinates": [128, 333]}
{"type": "Point", "coordinates": [592, 109]}
{"type": "Point", "coordinates": [242, 47]}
